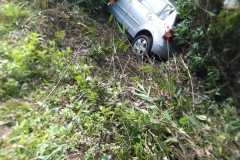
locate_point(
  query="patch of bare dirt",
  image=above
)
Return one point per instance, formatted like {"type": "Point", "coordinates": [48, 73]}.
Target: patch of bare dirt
{"type": "Point", "coordinates": [4, 131]}
{"type": "Point", "coordinates": [74, 156]}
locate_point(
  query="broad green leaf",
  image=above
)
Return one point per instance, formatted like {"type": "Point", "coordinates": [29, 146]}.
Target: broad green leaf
{"type": "Point", "coordinates": [162, 67]}
{"type": "Point", "coordinates": [121, 44]}
{"type": "Point", "coordinates": [78, 77]}
{"type": "Point", "coordinates": [142, 96]}
{"type": "Point", "coordinates": [201, 117]}
{"type": "Point", "coordinates": [146, 117]}
{"type": "Point", "coordinates": [110, 18]}
{"type": "Point", "coordinates": [141, 87]}
{"type": "Point", "coordinates": [195, 123]}
{"type": "Point", "coordinates": [152, 107]}
{"type": "Point", "coordinates": [126, 47]}
{"type": "Point", "coordinates": [172, 139]}
{"type": "Point", "coordinates": [184, 120]}
{"type": "Point", "coordinates": [183, 76]}
{"type": "Point", "coordinates": [149, 90]}
{"type": "Point", "coordinates": [104, 156]}
{"type": "Point", "coordinates": [139, 91]}
{"type": "Point", "coordinates": [158, 100]}
{"type": "Point", "coordinates": [220, 149]}
{"type": "Point", "coordinates": [91, 29]}
{"type": "Point", "coordinates": [149, 101]}
{"type": "Point", "coordinates": [167, 116]}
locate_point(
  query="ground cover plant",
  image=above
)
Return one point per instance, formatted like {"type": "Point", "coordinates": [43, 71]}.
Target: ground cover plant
{"type": "Point", "coordinates": [71, 88]}
{"type": "Point", "coordinates": [212, 33]}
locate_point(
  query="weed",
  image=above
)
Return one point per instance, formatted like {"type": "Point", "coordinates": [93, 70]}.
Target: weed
{"type": "Point", "coordinates": [106, 105]}
{"type": "Point", "coordinates": [11, 16]}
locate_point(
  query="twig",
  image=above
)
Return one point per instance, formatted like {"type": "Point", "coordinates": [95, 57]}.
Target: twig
{"type": "Point", "coordinates": [127, 134]}
{"type": "Point", "coordinates": [112, 59]}
{"type": "Point", "coordinates": [147, 148]}
{"type": "Point", "coordinates": [174, 58]}
{"type": "Point", "coordinates": [203, 8]}
{"type": "Point", "coordinates": [125, 66]}
{"type": "Point", "coordinates": [59, 80]}
{"type": "Point", "coordinates": [183, 148]}
{"type": "Point", "coordinates": [187, 137]}
{"type": "Point", "coordinates": [191, 81]}
{"type": "Point", "coordinates": [238, 56]}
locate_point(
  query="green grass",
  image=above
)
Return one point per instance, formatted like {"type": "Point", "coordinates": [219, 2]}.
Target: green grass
{"type": "Point", "coordinates": [12, 16]}
{"type": "Point", "coordinates": [107, 105]}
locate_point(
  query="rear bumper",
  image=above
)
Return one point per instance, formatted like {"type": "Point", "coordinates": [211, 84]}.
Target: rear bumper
{"type": "Point", "coordinates": [164, 52]}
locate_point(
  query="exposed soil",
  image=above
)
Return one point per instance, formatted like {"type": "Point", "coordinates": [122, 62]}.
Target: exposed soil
{"type": "Point", "coordinates": [4, 131]}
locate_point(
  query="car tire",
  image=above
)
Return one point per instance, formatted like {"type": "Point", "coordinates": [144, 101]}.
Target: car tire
{"type": "Point", "coordinates": [142, 44]}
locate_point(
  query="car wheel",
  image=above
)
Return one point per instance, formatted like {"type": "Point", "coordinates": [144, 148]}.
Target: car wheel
{"type": "Point", "coordinates": [142, 44]}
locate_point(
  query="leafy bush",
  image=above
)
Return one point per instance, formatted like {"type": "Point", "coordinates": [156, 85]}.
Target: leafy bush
{"type": "Point", "coordinates": [11, 16]}
{"type": "Point", "coordinates": [93, 6]}
{"type": "Point", "coordinates": [27, 62]}
{"type": "Point", "coordinates": [214, 45]}
{"type": "Point", "coordinates": [90, 6]}
{"type": "Point", "coordinates": [107, 105]}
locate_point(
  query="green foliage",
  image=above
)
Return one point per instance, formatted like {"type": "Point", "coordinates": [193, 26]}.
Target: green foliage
{"type": "Point", "coordinates": [147, 69]}
{"type": "Point", "coordinates": [214, 45]}
{"type": "Point", "coordinates": [11, 16]}
{"type": "Point", "coordinates": [43, 4]}
{"type": "Point", "coordinates": [93, 6]}
{"type": "Point", "coordinates": [26, 62]}
{"type": "Point", "coordinates": [59, 35]}
{"type": "Point", "coordinates": [107, 106]}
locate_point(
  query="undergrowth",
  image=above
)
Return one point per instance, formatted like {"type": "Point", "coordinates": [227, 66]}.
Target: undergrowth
{"type": "Point", "coordinates": [212, 34]}
{"type": "Point", "coordinates": [71, 88]}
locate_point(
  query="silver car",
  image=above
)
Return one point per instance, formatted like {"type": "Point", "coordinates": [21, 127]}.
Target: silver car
{"type": "Point", "coordinates": [149, 23]}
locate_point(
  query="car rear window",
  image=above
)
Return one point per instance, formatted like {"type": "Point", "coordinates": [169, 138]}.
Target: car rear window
{"type": "Point", "coordinates": [166, 12]}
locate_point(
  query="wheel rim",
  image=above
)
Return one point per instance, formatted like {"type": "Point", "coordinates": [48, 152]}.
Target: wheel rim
{"type": "Point", "coordinates": [140, 46]}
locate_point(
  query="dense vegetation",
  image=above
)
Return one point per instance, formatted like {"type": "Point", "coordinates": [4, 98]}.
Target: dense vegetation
{"type": "Point", "coordinates": [72, 88]}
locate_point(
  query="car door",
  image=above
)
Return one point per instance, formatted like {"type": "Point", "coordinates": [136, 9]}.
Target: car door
{"type": "Point", "coordinates": [142, 12]}
{"type": "Point", "coordinates": [120, 9]}
{"type": "Point", "coordinates": [135, 17]}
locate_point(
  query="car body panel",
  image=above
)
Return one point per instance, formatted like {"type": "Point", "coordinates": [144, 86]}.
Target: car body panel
{"type": "Point", "coordinates": [139, 15]}
{"type": "Point", "coordinates": [120, 9]}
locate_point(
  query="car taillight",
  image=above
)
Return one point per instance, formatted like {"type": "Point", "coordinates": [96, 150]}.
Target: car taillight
{"type": "Point", "coordinates": [168, 36]}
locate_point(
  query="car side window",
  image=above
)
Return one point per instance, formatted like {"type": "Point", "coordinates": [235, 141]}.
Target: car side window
{"type": "Point", "coordinates": [154, 5]}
